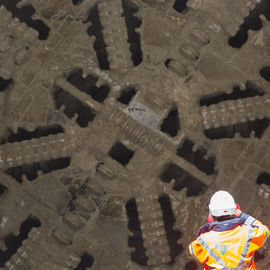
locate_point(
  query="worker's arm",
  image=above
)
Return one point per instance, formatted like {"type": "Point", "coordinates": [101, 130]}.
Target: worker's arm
{"type": "Point", "coordinates": [260, 234]}
{"type": "Point", "coordinates": [198, 252]}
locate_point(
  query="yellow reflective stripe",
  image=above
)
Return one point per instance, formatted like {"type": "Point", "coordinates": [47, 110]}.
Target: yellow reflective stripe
{"type": "Point", "coordinates": [213, 254]}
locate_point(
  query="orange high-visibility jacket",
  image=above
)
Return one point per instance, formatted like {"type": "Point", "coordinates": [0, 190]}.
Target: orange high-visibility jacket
{"type": "Point", "coordinates": [230, 249]}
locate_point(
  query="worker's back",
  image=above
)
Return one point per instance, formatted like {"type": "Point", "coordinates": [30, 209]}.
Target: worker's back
{"type": "Point", "coordinates": [228, 245]}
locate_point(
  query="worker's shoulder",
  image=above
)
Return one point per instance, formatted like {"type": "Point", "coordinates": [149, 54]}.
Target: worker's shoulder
{"type": "Point", "coordinates": [255, 224]}
{"type": "Point", "coordinates": [260, 227]}
{"type": "Point", "coordinates": [258, 223]}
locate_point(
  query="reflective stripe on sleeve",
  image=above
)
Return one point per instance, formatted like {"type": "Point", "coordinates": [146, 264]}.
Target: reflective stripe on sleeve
{"type": "Point", "coordinates": [192, 250]}
{"type": "Point", "coordinates": [250, 220]}
{"type": "Point", "coordinates": [213, 254]}
{"type": "Point", "coordinates": [266, 234]}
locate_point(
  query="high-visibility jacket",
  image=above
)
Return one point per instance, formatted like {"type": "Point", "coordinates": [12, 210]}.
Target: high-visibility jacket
{"type": "Point", "coordinates": [229, 244]}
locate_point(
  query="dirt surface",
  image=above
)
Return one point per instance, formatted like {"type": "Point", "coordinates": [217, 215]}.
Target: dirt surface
{"type": "Point", "coordinates": [119, 120]}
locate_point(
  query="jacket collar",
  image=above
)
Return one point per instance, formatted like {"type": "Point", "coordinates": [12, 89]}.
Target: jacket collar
{"type": "Point", "coordinates": [225, 225]}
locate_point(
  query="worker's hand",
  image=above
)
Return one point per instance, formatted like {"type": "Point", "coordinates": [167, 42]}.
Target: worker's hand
{"type": "Point", "coordinates": [210, 218]}
{"type": "Point", "coordinates": [238, 211]}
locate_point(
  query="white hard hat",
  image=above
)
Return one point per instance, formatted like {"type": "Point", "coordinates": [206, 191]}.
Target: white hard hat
{"type": "Point", "coordinates": [222, 204]}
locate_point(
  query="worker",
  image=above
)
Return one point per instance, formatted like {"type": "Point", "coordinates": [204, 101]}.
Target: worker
{"type": "Point", "coordinates": [230, 238]}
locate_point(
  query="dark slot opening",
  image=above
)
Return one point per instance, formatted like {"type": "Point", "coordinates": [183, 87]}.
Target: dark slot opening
{"type": "Point", "coordinates": [265, 73]}
{"type": "Point", "coordinates": [252, 21]}
{"type": "Point", "coordinates": [121, 153]}
{"type": "Point", "coordinates": [88, 86]}
{"type": "Point", "coordinates": [219, 133]}
{"type": "Point", "coordinates": [191, 266]}
{"type": "Point", "coordinates": [25, 14]}
{"type": "Point", "coordinates": [185, 151]}
{"type": "Point", "coordinates": [132, 23]}
{"type": "Point", "coordinates": [171, 124]}
{"type": "Point", "coordinates": [4, 84]}
{"type": "Point", "coordinates": [2, 189]}
{"type": "Point", "coordinates": [2, 140]}
{"type": "Point", "coordinates": [96, 30]}
{"type": "Point", "coordinates": [244, 129]}
{"type": "Point", "coordinates": [126, 95]}
{"type": "Point", "coordinates": [139, 255]}
{"type": "Point", "coordinates": [77, 2]}
{"type": "Point", "coordinates": [30, 170]}
{"type": "Point", "coordinates": [182, 179]}
{"type": "Point", "coordinates": [169, 220]}
{"type": "Point", "coordinates": [86, 261]}
{"type": "Point", "coordinates": [197, 158]}
{"type": "Point", "coordinates": [23, 134]}
{"type": "Point", "coordinates": [180, 5]}
{"type": "Point", "coordinates": [86, 115]}
{"type": "Point", "coordinates": [13, 243]}
{"type": "Point", "coordinates": [240, 38]}
{"type": "Point", "coordinates": [16, 173]}
{"type": "Point", "coordinates": [72, 106]}
{"type": "Point", "coordinates": [205, 165]}
{"type": "Point", "coordinates": [263, 178]}
{"type": "Point", "coordinates": [166, 63]}
{"type": "Point", "coordinates": [250, 91]}
{"type": "Point", "coordinates": [54, 164]}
